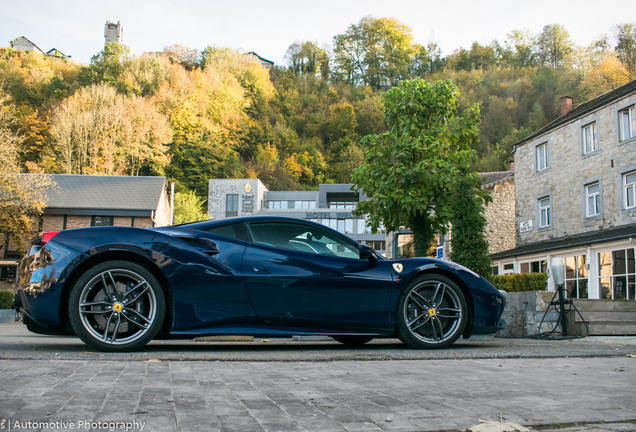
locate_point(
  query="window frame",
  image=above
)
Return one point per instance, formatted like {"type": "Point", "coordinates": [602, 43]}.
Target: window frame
{"type": "Point", "coordinates": [631, 111]}
{"type": "Point", "coordinates": [597, 201]}
{"type": "Point", "coordinates": [548, 210]}
{"type": "Point", "coordinates": [543, 145]}
{"type": "Point", "coordinates": [595, 138]}
{"type": "Point", "coordinates": [625, 187]}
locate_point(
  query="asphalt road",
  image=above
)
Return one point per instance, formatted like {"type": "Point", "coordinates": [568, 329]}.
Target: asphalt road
{"type": "Point", "coordinates": [16, 342]}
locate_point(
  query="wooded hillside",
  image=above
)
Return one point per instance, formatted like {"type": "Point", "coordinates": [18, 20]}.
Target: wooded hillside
{"type": "Point", "coordinates": [194, 115]}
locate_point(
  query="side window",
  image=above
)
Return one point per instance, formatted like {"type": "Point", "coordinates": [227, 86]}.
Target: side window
{"type": "Point", "coordinates": [302, 238]}
{"type": "Point", "coordinates": [542, 157]}
{"type": "Point", "coordinates": [236, 230]}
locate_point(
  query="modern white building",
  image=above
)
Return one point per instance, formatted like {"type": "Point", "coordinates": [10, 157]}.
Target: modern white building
{"type": "Point", "coordinates": [330, 205]}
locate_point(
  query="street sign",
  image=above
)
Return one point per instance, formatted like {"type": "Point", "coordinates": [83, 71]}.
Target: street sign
{"type": "Point", "coordinates": [440, 252]}
{"type": "Point", "coordinates": [525, 226]}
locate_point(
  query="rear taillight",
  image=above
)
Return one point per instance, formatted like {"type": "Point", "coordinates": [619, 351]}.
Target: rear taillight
{"type": "Point", "coordinates": [46, 236]}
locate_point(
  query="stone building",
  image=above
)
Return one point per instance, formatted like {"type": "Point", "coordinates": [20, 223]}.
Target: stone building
{"type": "Point", "coordinates": [77, 201]}
{"type": "Point", "coordinates": [575, 197]}
{"type": "Point", "coordinates": [500, 213]}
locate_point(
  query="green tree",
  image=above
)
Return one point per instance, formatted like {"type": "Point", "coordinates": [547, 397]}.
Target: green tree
{"type": "Point", "coordinates": [106, 67]}
{"type": "Point", "coordinates": [375, 52]}
{"type": "Point", "coordinates": [306, 58]}
{"type": "Point", "coordinates": [553, 44]}
{"type": "Point", "coordinates": [469, 246]}
{"type": "Point", "coordinates": [520, 44]}
{"type": "Point", "coordinates": [409, 169]}
{"type": "Point", "coordinates": [188, 208]}
{"type": "Point", "coordinates": [626, 47]}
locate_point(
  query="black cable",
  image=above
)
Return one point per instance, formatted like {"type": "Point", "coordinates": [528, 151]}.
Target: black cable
{"type": "Point", "coordinates": [549, 335]}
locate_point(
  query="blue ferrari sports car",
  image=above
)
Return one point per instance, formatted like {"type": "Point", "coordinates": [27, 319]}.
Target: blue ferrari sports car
{"type": "Point", "coordinates": [119, 288]}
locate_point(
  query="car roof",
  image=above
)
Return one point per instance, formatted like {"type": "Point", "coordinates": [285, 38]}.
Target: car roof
{"type": "Point", "coordinates": [242, 219]}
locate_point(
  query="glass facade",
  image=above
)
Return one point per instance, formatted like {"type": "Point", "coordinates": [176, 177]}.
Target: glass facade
{"type": "Point", "coordinates": [290, 204]}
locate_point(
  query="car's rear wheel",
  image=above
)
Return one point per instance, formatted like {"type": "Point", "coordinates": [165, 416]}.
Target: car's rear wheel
{"type": "Point", "coordinates": [117, 306]}
{"type": "Point", "coordinates": [353, 340]}
{"type": "Point", "coordinates": [432, 312]}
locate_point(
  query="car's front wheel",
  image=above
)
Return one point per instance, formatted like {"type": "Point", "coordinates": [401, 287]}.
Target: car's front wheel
{"type": "Point", "coordinates": [117, 306]}
{"type": "Point", "coordinates": [432, 312]}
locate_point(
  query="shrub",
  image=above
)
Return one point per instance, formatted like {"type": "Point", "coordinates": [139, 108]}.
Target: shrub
{"type": "Point", "coordinates": [520, 282]}
{"type": "Point", "coordinates": [6, 299]}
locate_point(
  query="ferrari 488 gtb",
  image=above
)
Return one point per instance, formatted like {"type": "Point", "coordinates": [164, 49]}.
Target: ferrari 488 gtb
{"type": "Point", "coordinates": [119, 288]}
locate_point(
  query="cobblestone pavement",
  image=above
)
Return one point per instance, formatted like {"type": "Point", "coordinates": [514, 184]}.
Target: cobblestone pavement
{"type": "Point", "coordinates": [414, 395]}
{"type": "Point", "coordinates": [285, 385]}
{"type": "Point", "coordinates": [16, 342]}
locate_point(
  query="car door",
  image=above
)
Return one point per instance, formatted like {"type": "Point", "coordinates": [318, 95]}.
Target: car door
{"type": "Point", "coordinates": [300, 274]}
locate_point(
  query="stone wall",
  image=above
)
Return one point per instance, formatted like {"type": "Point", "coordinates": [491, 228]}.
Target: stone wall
{"type": "Point", "coordinates": [524, 312]}
{"type": "Point", "coordinates": [568, 172]}
{"type": "Point", "coordinates": [500, 217]}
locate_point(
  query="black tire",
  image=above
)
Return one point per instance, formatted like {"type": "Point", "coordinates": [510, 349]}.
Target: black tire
{"type": "Point", "coordinates": [353, 340]}
{"type": "Point", "coordinates": [120, 316]}
{"type": "Point", "coordinates": [431, 312]}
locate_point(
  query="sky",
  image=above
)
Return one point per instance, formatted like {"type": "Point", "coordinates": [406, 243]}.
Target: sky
{"type": "Point", "coordinates": [76, 27]}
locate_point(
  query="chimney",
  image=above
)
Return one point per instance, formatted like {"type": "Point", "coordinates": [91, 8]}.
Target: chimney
{"type": "Point", "coordinates": [566, 105]}
{"type": "Point", "coordinates": [512, 168]}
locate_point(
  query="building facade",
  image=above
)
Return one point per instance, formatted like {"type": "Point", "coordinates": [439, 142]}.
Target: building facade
{"type": "Point", "coordinates": [575, 197]}
{"type": "Point", "coordinates": [113, 32]}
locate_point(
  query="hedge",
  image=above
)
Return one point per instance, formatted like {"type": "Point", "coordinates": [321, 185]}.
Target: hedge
{"type": "Point", "coordinates": [6, 299]}
{"type": "Point", "coordinates": [519, 282]}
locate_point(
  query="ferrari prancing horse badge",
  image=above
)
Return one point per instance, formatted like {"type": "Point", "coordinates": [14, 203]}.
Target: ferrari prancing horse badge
{"type": "Point", "coordinates": [398, 267]}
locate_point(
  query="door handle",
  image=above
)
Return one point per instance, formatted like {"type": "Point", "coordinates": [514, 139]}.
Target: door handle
{"type": "Point", "coordinates": [260, 270]}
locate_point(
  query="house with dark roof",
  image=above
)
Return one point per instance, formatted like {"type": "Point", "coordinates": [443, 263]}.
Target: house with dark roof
{"type": "Point", "coordinates": [575, 197]}
{"type": "Point", "coordinates": [77, 201]}
{"type": "Point", "coordinates": [263, 61]}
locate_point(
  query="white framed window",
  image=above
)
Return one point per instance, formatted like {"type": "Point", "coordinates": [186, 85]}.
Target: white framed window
{"type": "Point", "coordinates": [627, 123]}
{"type": "Point", "coordinates": [590, 138]}
{"type": "Point", "coordinates": [617, 274]}
{"type": "Point", "coordinates": [629, 188]}
{"type": "Point", "coordinates": [542, 157]}
{"type": "Point", "coordinates": [592, 199]}
{"type": "Point", "coordinates": [545, 213]}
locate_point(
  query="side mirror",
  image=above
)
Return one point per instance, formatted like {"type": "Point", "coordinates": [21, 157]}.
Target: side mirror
{"type": "Point", "coordinates": [366, 252]}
